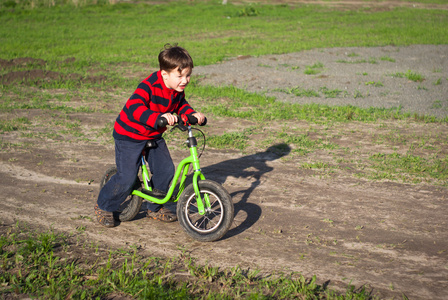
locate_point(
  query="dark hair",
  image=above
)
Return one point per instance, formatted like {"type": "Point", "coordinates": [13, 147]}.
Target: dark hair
{"type": "Point", "coordinates": [173, 56]}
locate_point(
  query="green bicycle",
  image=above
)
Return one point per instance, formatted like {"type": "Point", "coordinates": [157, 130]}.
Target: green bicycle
{"type": "Point", "coordinates": [204, 208]}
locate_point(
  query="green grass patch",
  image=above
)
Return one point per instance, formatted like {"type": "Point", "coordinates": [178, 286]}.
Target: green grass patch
{"type": "Point", "coordinates": [56, 266]}
{"type": "Point", "coordinates": [375, 83]}
{"type": "Point", "coordinates": [316, 165]}
{"type": "Point", "coordinates": [234, 140]}
{"type": "Point", "coordinates": [215, 31]}
{"type": "Point", "coordinates": [299, 92]}
{"type": "Point", "coordinates": [314, 69]}
{"type": "Point", "coordinates": [413, 76]}
{"type": "Point", "coordinates": [387, 58]}
{"type": "Point", "coordinates": [328, 93]}
{"type": "Point", "coordinates": [409, 168]}
{"type": "Point", "coordinates": [237, 103]}
{"type": "Point", "coordinates": [14, 124]}
{"type": "Point", "coordinates": [371, 60]}
{"type": "Point", "coordinates": [303, 144]}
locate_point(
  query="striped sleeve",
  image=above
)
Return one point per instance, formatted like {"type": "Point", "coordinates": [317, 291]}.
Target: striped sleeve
{"type": "Point", "coordinates": [184, 107]}
{"type": "Point", "coordinates": [137, 106]}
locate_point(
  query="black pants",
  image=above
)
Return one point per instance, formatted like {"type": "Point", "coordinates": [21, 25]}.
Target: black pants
{"type": "Point", "coordinates": [128, 161]}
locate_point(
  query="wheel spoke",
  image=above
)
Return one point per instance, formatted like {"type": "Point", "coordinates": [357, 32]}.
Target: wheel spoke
{"type": "Point", "coordinates": [212, 217]}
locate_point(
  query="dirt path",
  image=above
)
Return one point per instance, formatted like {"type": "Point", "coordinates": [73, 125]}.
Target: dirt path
{"type": "Point", "coordinates": [388, 235]}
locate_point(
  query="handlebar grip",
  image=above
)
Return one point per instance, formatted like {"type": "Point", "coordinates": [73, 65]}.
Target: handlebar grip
{"type": "Point", "coordinates": [193, 121]}
{"type": "Point", "coordinates": [162, 122]}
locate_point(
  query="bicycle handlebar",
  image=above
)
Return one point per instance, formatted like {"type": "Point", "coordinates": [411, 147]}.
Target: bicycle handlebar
{"type": "Point", "coordinates": [162, 122]}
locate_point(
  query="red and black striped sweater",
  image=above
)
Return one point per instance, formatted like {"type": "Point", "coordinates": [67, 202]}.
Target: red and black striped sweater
{"type": "Point", "coordinates": [151, 99]}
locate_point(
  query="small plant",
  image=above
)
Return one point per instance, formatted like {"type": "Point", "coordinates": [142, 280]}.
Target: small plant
{"type": "Point", "coordinates": [299, 92]}
{"type": "Point", "coordinates": [330, 93]}
{"type": "Point", "coordinates": [438, 81]}
{"type": "Point", "coordinates": [387, 58]}
{"type": "Point", "coordinates": [371, 60]}
{"type": "Point", "coordinates": [248, 11]}
{"type": "Point", "coordinates": [314, 69]}
{"type": "Point", "coordinates": [413, 76]}
{"type": "Point", "coordinates": [358, 94]}
{"type": "Point", "coordinates": [375, 83]}
{"type": "Point", "coordinates": [436, 104]}
{"type": "Point", "coordinates": [316, 165]}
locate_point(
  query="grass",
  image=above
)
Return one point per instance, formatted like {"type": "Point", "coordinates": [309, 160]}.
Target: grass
{"type": "Point", "coordinates": [314, 69]}
{"type": "Point", "coordinates": [409, 167]}
{"type": "Point", "coordinates": [234, 140]}
{"type": "Point", "coordinates": [413, 76]}
{"type": "Point", "coordinates": [218, 29]}
{"type": "Point", "coordinates": [266, 108]}
{"type": "Point", "coordinates": [46, 265]}
{"type": "Point", "coordinates": [14, 125]}
{"type": "Point", "coordinates": [375, 83]}
{"type": "Point", "coordinates": [300, 92]}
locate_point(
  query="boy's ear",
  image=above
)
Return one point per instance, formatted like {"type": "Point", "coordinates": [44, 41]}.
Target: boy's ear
{"type": "Point", "coordinates": [164, 73]}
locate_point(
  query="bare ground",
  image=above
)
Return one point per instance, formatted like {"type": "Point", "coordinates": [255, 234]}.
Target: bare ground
{"type": "Point", "coordinates": [387, 234]}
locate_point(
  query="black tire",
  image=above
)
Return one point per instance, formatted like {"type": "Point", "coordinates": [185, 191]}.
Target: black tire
{"type": "Point", "coordinates": [131, 205]}
{"type": "Point", "coordinates": [215, 223]}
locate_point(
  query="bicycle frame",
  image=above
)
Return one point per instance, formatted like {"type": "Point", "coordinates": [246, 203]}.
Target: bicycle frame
{"type": "Point", "coordinates": [181, 173]}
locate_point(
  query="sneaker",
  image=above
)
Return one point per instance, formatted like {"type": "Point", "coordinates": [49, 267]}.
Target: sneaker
{"type": "Point", "coordinates": [105, 218]}
{"type": "Point", "coordinates": [163, 214]}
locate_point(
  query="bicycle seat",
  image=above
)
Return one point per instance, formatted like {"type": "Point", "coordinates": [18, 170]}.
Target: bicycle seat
{"type": "Point", "coordinates": [151, 144]}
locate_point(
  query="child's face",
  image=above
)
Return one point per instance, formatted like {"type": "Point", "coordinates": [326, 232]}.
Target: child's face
{"type": "Point", "coordinates": [176, 80]}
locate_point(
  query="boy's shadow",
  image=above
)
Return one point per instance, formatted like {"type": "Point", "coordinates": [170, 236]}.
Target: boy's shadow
{"type": "Point", "coordinates": [250, 167]}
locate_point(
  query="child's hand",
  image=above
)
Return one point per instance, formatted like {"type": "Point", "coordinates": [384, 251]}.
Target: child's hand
{"type": "Point", "coordinates": [200, 117]}
{"type": "Point", "coordinates": [172, 119]}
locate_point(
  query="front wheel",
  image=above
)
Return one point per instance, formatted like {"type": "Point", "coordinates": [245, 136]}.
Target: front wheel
{"type": "Point", "coordinates": [130, 207]}
{"type": "Point", "coordinates": [217, 219]}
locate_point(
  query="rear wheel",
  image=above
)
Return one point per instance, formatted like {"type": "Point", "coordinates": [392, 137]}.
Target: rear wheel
{"type": "Point", "coordinates": [216, 220]}
{"type": "Point", "coordinates": [130, 207]}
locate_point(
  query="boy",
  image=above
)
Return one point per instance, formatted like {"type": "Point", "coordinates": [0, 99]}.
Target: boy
{"type": "Point", "coordinates": [159, 95]}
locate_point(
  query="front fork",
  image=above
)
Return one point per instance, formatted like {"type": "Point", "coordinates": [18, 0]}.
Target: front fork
{"type": "Point", "coordinates": [197, 175]}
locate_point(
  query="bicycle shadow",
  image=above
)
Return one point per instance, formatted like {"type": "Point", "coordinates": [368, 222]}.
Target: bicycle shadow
{"type": "Point", "coordinates": [251, 167]}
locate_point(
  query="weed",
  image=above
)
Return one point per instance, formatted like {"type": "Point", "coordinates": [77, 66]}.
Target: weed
{"type": "Point", "coordinates": [375, 83]}
{"type": "Point", "coordinates": [436, 104]}
{"type": "Point", "coordinates": [371, 60]}
{"type": "Point", "coordinates": [248, 11]}
{"type": "Point", "coordinates": [299, 92]}
{"type": "Point", "coordinates": [413, 76]}
{"type": "Point", "coordinates": [387, 58]}
{"type": "Point", "coordinates": [235, 140]}
{"type": "Point", "coordinates": [330, 93]}
{"type": "Point", "coordinates": [358, 94]}
{"type": "Point", "coordinates": [314, 69]}
{"type": "Point", "coordinates": [34, 263]}
{"type": "Point", "coordinates": [14, 125]}
{"type": "Point", "coordinates": [409, 168]}
{"type": "Point", "coordinates": [438, 81]}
